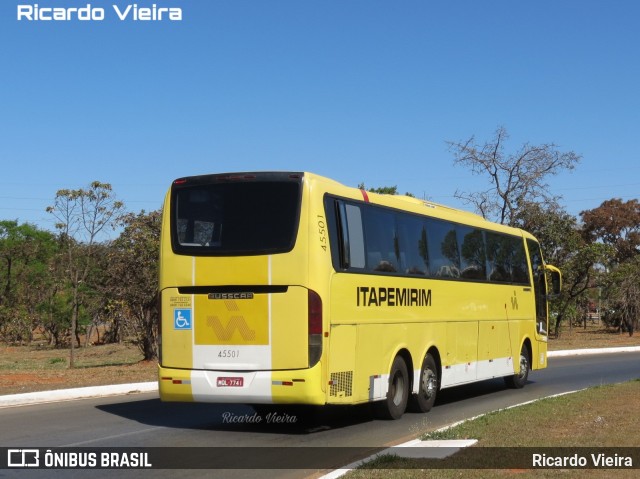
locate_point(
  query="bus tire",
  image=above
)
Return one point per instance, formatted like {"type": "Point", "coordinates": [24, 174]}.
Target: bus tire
{"type": "Point", "coordinates": [428, 387]}
{"type": "Point", "coordinates": [517, 381]}
{"type": "Point", "coordinates": [395, 404]}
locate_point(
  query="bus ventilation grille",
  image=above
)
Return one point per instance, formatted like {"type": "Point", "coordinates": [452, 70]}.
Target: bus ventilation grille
{"type": "Point", "coordinates": [341, 384]}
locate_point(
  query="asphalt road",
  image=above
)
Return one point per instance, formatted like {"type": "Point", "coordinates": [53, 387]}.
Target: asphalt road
{"type": "Point", "coordinates": [143, 421]}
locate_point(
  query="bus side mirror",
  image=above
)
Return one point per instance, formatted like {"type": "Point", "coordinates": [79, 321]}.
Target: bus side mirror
{"type": "Point", "coordinates": [556, 279]}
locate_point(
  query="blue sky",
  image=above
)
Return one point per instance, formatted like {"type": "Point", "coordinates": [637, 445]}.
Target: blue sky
{"type": "Point", "coordinates": [360, 91]}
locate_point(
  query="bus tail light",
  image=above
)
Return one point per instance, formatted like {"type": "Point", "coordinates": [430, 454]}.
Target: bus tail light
{"type": "Point", "coordinates": [315, 327]}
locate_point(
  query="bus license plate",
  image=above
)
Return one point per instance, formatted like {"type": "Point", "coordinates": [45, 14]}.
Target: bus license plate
{"type": "Point", "coordinates": [230, 382]}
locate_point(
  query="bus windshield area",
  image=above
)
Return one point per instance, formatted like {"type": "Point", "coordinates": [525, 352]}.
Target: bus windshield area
{"type": "Point", "coordinates": [235, 218]}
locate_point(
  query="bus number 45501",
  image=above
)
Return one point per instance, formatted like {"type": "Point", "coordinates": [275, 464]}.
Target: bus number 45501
{"type": "Point", "coordinates": [229, 353]}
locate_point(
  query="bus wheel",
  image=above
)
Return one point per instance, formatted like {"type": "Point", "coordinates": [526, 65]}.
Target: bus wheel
{"type": "Point", "coordinates": [423, 401]}
{"type": "Point", "coordinates": [517, 381]}
{"type": "Point", "coordinates": [394, 405]}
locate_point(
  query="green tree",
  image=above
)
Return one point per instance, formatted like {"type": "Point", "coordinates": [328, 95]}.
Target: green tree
{"type": "Point", "coordinates": [563, 244]}
{"type": "Point", "coordinates": [25, 252]}
{"type": "Point", "coordinates": [515, 178]}
{"type": "Point", "coordinates": [622, 293]}
{"type": "Point", "coordinates": [133, 273]}
{"type": "Point", "coordinates": [83, 217]}
{"type": "Point", "coordinates": [615, 223]}
{"type": "Point", "coordinates": [55, 314]}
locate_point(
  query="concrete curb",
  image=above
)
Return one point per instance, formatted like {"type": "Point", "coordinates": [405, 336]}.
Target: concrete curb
{"type": "Point", "coordinates": [135, 388]}
{"type": "Point", "coordinates": [585, 352]}
{"type": "Point", "coordinates": [76, 393]}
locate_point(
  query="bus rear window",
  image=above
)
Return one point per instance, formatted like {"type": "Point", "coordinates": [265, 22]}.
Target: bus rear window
{"type": "Point", "coordinates": [235, 218]}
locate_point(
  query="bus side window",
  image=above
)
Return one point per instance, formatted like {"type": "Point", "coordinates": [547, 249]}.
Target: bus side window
{"type": "Point", "coordinates": [520, 269]}
{"type": "Point", "coordinates": [506, 259]}
{"type": "Point", "coordinates": [472, 254]}
{"type": "Point", "coordinates": [443, 249]}
{"type": "Point", "coordinates": [381, 242]}
{"type": "Point", "coordinates": [412, 242]}
{"type": "Point", "coordinates": [355, 236]}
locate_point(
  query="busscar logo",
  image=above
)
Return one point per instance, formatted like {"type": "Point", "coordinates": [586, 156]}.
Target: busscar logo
{"type": "Point", "coordinates": [236, 295]}
{"type": "Point", "coordinates": [23, 458]}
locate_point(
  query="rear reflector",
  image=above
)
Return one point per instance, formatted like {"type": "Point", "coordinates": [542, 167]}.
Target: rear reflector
{"type": "Point", "coordinates": [315, 327]}
{"type": "Point", "coordinates": [315, 313]}
{"type": "Point", "coordinates": [282, 383]}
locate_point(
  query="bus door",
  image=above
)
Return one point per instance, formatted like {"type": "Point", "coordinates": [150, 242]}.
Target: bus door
{"type": "Point", "coordinates": [539, 288]}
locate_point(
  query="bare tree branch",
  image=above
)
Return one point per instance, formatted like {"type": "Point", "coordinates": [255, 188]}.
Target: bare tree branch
{"type": "Point", "coordinates": [515, 178]}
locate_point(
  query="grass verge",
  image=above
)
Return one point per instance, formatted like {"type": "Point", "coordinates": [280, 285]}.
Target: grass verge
{"type": "Point", "coordinates": [601, 417]}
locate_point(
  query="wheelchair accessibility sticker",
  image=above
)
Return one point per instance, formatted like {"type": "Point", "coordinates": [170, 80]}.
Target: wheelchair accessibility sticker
{"type": "Point", "coordinates": [182, 319]}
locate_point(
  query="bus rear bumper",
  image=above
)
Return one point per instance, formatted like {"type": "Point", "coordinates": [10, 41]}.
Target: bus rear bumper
{"type": "Point", "coordinates": [252, 387]}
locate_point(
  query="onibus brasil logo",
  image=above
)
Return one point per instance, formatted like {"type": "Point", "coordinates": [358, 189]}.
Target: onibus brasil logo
{"type": "Point", "coordinates": [65, 459]}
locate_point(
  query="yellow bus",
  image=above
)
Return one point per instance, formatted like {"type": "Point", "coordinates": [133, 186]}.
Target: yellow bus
{"type": "Point", "coordinates": [290, 288]}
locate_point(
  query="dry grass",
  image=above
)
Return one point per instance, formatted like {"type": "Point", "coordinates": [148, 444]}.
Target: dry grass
{"type": "Point", "coordinates": [604, 416]}
{"type": "Point", "coordinates": [32, 368]}
{"type": "Point", "coordinates": [594, 336]}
